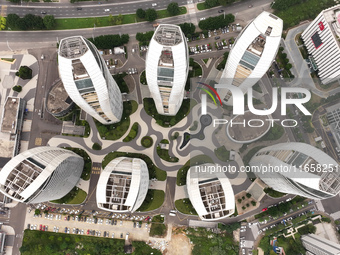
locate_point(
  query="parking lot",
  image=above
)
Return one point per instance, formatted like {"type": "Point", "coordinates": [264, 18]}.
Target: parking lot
{"type": "Point", "coordinates": [113, 228]}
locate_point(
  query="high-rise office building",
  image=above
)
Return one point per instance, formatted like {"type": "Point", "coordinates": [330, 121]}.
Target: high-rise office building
{"type": "Point", "coordinates": [41, 174]}
{"type": "Point", "coordinates": [317, 245]}
{"type": "Point", "coordinates": [252, 54]}
{"type": "Point", "coordinates": [210, 192]}
{"type": "Point", "coordinates": [321, 38]}
{"type": "Point", "coordinates": [123, 185]}
{"type": "Point", "coordinates": [299, 169]}
{"type": "Point", "coordinates": [88, 81]}
{"type": "Point", "coordinates": [166, 67]}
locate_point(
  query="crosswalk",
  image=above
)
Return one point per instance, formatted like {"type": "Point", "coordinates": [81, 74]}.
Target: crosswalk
{"type": "Point", "coordinates": [3, 12]}
{"type": "Point", "coordinates": [96, 170]}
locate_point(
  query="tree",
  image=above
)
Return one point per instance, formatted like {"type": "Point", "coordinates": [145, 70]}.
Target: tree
{"type": "Point", "coordinates": [2, 23]}
{"type": "Point", "coordinates": [96, 146]}
{"type": "Point", "coordinates": [29, 20]}
{"type": "Point", "coordinates": [173, 9]}
{"type": "Point", "coordinates": [112, 20]}
{"type": "Point", "coordinates": [15, 1]}
{"type": "Point", "coordinates": [119, 19]}
{"type": "Point", "coordinates": [248, 195]}
{"type": "Point", "coordinates": [49, 22]}
{"type": "Point", "coordinates": [36, 212]}
{"type": "Point", "coordinates": [24, 72]}
{"type": "Point", "coordinates": [12, 20]}
{"type": "Point", "coordinates": [187, 28]}
{"type": "Point", "coordinates": [151, 14]}
{"type": "Point", "coordinates": [21, 24]}
{"type": "Point", "coordinates": [140, 13]}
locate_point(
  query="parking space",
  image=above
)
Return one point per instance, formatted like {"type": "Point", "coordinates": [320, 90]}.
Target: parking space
{"type": "Point", "coordinates": [112, 228]}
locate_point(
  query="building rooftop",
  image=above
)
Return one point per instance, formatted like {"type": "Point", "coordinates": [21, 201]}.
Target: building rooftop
{"type": "Point", "coordinates": [72, 47]}
{"type": "Point", "coordinates": [241, 134]}
{"type": "Point", "coordinates": [58, 100]}
{"type": "Point", "coordinates": [168, 35]}
{"type": "Point", "coordinates": [10, 115]}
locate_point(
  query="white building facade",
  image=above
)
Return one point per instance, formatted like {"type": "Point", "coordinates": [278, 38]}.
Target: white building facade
{"type": "Point", "coordinates": [123, 185]}
{"type": "Point", "coordinates": [252, 54]}
{"type": "Point", "coordinates": [317, 245]}
{"type": "Point", "coordinates": [166, 67]}
{"type": "Point", "coordinates": [299, 169]}
{"type": "Point", "coordinates": [210, 192]}
{"type": "Point", "coordinates": [41, 174]}
{"type": "Point", "coordinates": [321, 41]}
{"type": "Point", "coordinates": [88, 81]}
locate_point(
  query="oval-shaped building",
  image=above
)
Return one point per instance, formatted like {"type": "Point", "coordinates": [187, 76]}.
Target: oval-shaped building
{"type": "Point", "coordinates": [252, 54]}
{"type": "Point", "coordinates": [297, 168]}
{"type": "Point", "coordinates": [210, 192]}
{"type": "Point", "coordinates": [166, 67]}
{"type": "Point", "coordinates": [88, 81]}
{"type": "Point", "coordinates": [41, 174]}
{"type": "Point", "coordinates": [123, 185]}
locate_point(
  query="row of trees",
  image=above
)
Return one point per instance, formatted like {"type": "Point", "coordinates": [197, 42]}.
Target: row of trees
{"type": "Point", "coordinates": [285, 4]}
{"type": "Point", "coordinates": [187, 28]}
{"type": "Point", "coordinates": [216, 22]}
{"type": "Point", "coordinates": [149, 15]}
{"type": "Point", "coordinates": [30, 21]}
{"type": "Point", "coordinates": [2, 23]}
{"type": "Point", "coordinates": [144, 38]}
{"type": "Point", "coordinates": [212, 3]}
{"type": "Point", "coordinates": [109, 41]}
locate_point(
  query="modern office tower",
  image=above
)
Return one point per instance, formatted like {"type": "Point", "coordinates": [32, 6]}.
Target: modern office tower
{"type": "Point", "coordinates": [41, 174]}
{"type": "Point", "coordinates": [321, 38]}
{"type": "Point", "coordinates": [166, 67]}
{"type": "Point", "coordinates": [297, 168]}
{"type": "Point", "coordinates": [123, 185]}
{"type": "Point", "coordinates": [210, 192]}
{"type": "Point", "coordinates": [317, 245]}
{"type": "Point", "coordinates": [88, 81]}
{"type": "Point", "coordinates": [252, 54]}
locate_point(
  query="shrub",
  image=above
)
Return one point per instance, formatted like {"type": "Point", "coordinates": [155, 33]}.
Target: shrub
{"type": "Point", "coordinates": [147, 141]}
{"type": "Point", "coordinates": [239, 200]}
{"type": "Point", "coordinates": [248, 195]}
{"type": "Point", "coordinates": [24, 72]}
{"type": "Point", "coordinates": [253, 203]}
{"type": "Point", "coordinates": [17, 88]}
{"type": "Point", "coordinates": [243, 207]}
{"type": "Point", "coordinates": [96, 146]}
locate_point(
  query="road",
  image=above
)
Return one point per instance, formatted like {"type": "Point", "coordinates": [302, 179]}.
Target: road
{"type": "Point", "coordinates": [12, 40]}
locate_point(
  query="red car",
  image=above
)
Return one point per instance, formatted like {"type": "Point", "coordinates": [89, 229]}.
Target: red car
{"type": "Point", "coordinates": [44, 228]}
{"type": "Point", "coordinates": [264, 209]}
{"type": "Point", "coordinates": [88, 231]}
{"type": "Point", "coordinates": [147, 218]}
{"type": "Point", "coordinates": [40, 227]}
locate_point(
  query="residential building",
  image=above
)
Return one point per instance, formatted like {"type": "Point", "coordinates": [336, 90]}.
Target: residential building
{"type": "Point", "coordinates": [321, 39]}
{"type": "Point", "coordinates": [210, 192]}
{"type": "Point", "coordinates": [88, 81]}
{"type": "Point", "coordinates": [252, 54]}
{"type": "Point", "coordinates": [297, 168]}
{"type": "Point", "coordinates": [317, 245]}
{"type": "Point", "coordinates": [123, 185]}
{"type": "Point", "coordinates": [41, 174]}
{"type": "Point", "coordinates": [166, 67]}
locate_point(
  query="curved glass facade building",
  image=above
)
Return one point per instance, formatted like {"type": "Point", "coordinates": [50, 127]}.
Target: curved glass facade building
{"type": "Point", "coordinates": [41, 174]}
{"type": "Point", "coordinates": [299, 169]}
{"type": "Point", "coordinates": [166, 67]}
{"type": "Point", "coordinates": [252, 54]}
{"type": "Point", "coordinates": [88, 81]}
{"type": "Point", "coordinates": [123, 185]}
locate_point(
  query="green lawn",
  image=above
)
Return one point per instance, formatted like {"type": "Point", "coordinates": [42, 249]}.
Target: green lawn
{"type": "Point", "coordinates": [185, 206]}
{"type": "Point", "coordinates": [222, 153]}
{"type": "Point", "coordinates": [134, 105]}
{"type": "Point", "coordinates": [75, 196]}
{"type": "Point", "coordinates": [201, 6]}
{"type": "Point", "coordinates": [164, 154]}
{"type": "Point", "coordinates": [158, 229]}
{"type": "Point", "coordinates": [153, 200]}
{"type": "Point", "coordinates": [117, 130]}
{"type": "Point", "coordinates": [39, 242]}
{"type": "Point", "coordinates": [79, 198]}
{"type": "Point", "coordinates": [133, 133]}
{"type": "Point", "coordinates": [273, 193]}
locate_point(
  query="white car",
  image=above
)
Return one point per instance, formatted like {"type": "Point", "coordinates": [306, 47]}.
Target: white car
{"type": "Point", "coordinates": [106, 10]}
{"type": "Point", "coordinates": [202, 18]}
{"type": "Point", "coordinates": [154, 4]}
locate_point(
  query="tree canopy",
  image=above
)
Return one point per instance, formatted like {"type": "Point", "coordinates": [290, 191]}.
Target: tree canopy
{"type": "Point", "coordinates": [109, 41]}
{"type": "Point", "coordinates": [2, 23]}
{"type": "Point", "coordinates": [140, 13]}
{"type": "Point", "coordinates": [151, 14]}
{"type": "Point", "coordinates": [173, 9]}
{"type": "Point", "coordinates": [187, 28]}
{"type": "Point", "coordinates": [49, 21]}
{"type": "Point", "coordinates": [216, 22]}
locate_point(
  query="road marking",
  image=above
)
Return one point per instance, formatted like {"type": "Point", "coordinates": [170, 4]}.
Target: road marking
{"type": "Point", "coordinates": [38, 141]}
